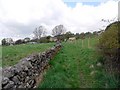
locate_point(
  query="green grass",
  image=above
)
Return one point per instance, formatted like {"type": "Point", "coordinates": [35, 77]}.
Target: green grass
{"type": "Point", "coordinates": [12, 54]}
{"type": "Point", "coordinates": [71, 68]}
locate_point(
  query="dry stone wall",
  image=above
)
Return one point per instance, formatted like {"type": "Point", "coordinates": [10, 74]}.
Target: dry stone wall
{"type": "Point", "coordinates": [23, 74]}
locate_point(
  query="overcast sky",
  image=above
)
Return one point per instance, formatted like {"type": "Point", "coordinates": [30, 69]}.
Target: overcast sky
{"type": "Point", "coordinates": [18, 18]}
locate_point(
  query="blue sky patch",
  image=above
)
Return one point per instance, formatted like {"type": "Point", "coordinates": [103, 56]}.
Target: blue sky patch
{"type": "Point", "coordinates": [73, 4]}
{"type": "Point", "coordinates": [91, 3]}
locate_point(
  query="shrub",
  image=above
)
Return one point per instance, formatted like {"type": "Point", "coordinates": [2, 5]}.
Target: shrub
{"type": "Point", "coordinates": [109, 46]}
{"type": "Point", "coordinates": [108, 40]}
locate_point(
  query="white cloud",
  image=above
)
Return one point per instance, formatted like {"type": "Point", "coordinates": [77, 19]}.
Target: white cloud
{"type": "Point", "coordinates": [20, 17]}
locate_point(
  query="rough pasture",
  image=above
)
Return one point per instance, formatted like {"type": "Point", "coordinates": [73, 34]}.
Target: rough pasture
{"type": "Point", "coordinates": [77, 66]}
{"type": "Point", "coordinates": [12, 54]}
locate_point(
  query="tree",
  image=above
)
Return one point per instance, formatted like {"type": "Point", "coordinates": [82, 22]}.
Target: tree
{"type": "Point", "coordinates": [58, 30]}
{"type": "Point", "coordinates": [27, 39]}
{"type": "Point", "coordinates": [38, 32]}
{"type": "Point", "coordinates": [82, 35]}
{"type": "Point", "coordinates": [77, 36]}
{"type": "Point", "coordinates": [3, 41]}
{"type": "Point", "coordinates": [95, 33]}
{"type": "Point", "coordinates": [19, 41]}
{"type": "Point", "coordinates": [68, 34]}
{"type": "Point", "coordinates": [44, 39]}
{"type": "Point", "coordinates": [48, 37]}
{"type": "Point", "coordinates": [88, 34]}
{"type": "Point", "coordinates": [7, 41]}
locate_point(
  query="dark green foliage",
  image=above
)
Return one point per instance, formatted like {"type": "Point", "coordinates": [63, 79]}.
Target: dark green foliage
{"type": "Point", "coordinates": [82, 35]}
{"type": "Point", "coordinates": [3, 41]}
{"type": "Point", "coordinates": [19, 41]}
{"type": "Point", "coordinates": [77, 36]}
{"type": "Point", "coordinates": [108, 41]}
{"type": "Point", "coordinates": [48, 37]}
{"type": "Point", "coordinates": [88, 34]}
{"type": "Point", "coordinates": [43, 40]}
{"type": "Point", "coordinates": [110, 48]}
{"type": "Point", "coordinates": [7, 41]}
{"type": "Point", "coordinates": [68, 34]}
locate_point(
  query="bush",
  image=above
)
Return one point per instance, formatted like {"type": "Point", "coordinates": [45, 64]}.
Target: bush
{"type": "Point", "coordinates": [108, 40]}
{"type": "Point", "coordinates": [19, 42]}
{"type": "Point", "coordinates": [44, 40]}
{"type": "Point", "coordinates": [109, 46]}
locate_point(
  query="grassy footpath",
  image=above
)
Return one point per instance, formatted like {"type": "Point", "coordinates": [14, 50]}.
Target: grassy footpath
{"type": "Point", "coordinates": [12, 54]}
{"type": "Point", "coordinates": [75, 67]}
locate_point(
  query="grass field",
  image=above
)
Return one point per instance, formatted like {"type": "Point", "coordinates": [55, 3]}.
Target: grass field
{"type": "Point", "coordinates": [12, 54]}
{"type": "Point", "coordinates": [75, 66]}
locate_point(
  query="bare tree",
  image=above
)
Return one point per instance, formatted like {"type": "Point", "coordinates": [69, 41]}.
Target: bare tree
{"type": "Point", "coordinates": [110, 20]}
{"type": "Point", "coordinates": [35, 32]}
{"type": "Point", "coordinates": [58, 30]}
{"type": "Point", "coordinates": [44, 33]}
{"type": "Point", "coordinates": [38, 32]}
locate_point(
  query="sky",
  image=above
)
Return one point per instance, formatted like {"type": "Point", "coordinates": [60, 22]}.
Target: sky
{"type": "Point", "coordinates": [19, 18]}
